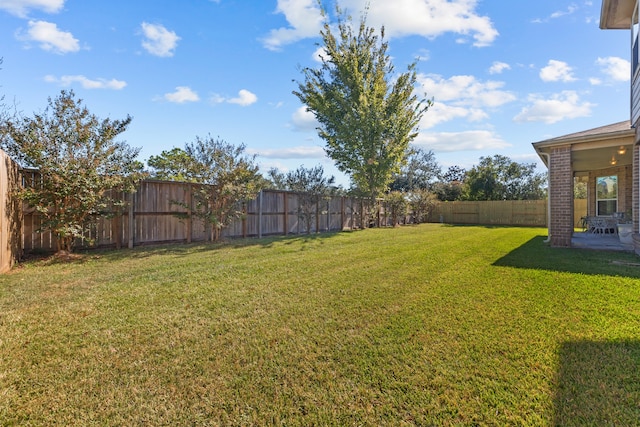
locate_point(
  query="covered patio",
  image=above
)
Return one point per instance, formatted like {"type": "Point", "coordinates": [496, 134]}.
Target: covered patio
{"type": "Point", "coordinates": [603, 159]}
{"type": "Point", "coordinates": [610, 242]}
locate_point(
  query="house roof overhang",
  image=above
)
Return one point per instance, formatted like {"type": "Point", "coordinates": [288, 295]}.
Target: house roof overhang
{"type": "Point", "coordinates": [593, 149]}
{"type": "Point", "coordinates": [616, 14]}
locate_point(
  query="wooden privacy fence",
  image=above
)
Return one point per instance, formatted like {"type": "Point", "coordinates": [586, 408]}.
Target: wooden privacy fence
{"type": "Point", "coordinates": [504, 212]}
{"type": "Point", "coordinates": [152, 216]}
{"type": "Point", "coordinates": [10, 214]}
{"type": "Point", "coordinates": [508, 212]}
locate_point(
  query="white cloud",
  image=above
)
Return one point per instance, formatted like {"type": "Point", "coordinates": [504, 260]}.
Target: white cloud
{"type": "Point", "coordinates": [304, 18]}
{"type": "Point", "coordinates": [557, 71]}
{"type": "Point", "coordinates": [465, 90]}
{"type": "Point", "coordinates": [319, 53]}
{"type": "Point", "coordinates": [158, 40]}
{"type": "Point", "coordinates": [441, 113]}
{"type": "Point", "coordinates": [460, 97]}
{"type": "Point", "coordinates": [571, 9]}
{"type": "Point", "coordinates": [300, 152]}
{"type": "Point", "coordinates": [244, 98]}
{"type": "Point", "coordinates": [423, 55]}
{"type": "Point", "coordinates": [426, 18]}
{"type": "Point", "coordinates": [460, 141]}
{"type": "Point", "coordinates": [21, 7]}
{"type": "Point", "coordinates": [560, 106]}
{"type": "Point", "coordinates": [181, 95]}
{"type": "Point", "coordinates": [50, 37]}
{"type": "Point", "coordinates": [498, 67]}
{"type": "Point", "coordinates": [87, 83]}
{"type": "Point", "coordinates": [303, 120]}
{"type": "Point", "coordinates": [616, 68]}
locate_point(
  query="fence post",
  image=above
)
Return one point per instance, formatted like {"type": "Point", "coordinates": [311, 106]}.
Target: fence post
{"type": "Point", "coordinates": [286, 212]}
{"type": "Point", "coordinates": [132, 199]}
{"type": "Point", "coordinates": [328, 214]}
{"type": "Point", "coordinates": [189, 213]}
{"type": "Point", "coordinates": [260, 215]}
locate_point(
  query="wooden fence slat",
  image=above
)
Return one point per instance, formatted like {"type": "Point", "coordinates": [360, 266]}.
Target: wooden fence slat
{"type": "Point", "coordinates": [150, 217]}
{"type": "Point", "coordinates": [10, 214]}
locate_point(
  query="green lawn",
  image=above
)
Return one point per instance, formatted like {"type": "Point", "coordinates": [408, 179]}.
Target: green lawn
{"type": "Point", "coordinates": [418, 325]}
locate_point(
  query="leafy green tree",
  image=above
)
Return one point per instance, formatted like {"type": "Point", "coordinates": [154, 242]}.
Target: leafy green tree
{"type": "Point", "coordinates": [421, 170]}
{"type": "Point", "coordinates": [312, 187]}
{"type": "Point", "coordinates": [396, 206]}
{"type": "Point", "coordinates": [454, 174]}
{"type": "Point", "coordinates": [367, 113]}
{"type": "Point", "coordinates": [79, 162]}
{"type": "Point", "coordinates": [227, 178]}
{"type": "Point", "coordinates": [421, 202]}
{"type": "Point", "coordinates": [173, 165]}
{"type": "Point", "coordinates": [500, 178]}
{"type": "Point", "coordinates": [579, 189]}
{"type": "Point", "coordinates": [450, 187]}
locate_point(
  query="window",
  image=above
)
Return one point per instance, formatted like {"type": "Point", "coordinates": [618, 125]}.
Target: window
{"type": "Point", "coordinates": [606, 195]}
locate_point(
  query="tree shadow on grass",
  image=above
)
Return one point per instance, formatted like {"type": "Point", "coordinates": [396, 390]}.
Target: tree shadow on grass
{"type": "Point", "coordinates": [598, 384]}
{"type": "Point", "coordinates": [185, 249]}
{"type": "Point", "coordinates": [535, 254]}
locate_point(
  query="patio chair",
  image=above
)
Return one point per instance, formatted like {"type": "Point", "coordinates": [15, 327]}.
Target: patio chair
{"type": "Point", "coordinates": [599, 226]}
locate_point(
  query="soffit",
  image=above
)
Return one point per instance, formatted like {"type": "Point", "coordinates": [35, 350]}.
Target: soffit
{"type": "Point", "coordinates": [616, 14]}
{"type": "Point", "coordinates": [594, 149]}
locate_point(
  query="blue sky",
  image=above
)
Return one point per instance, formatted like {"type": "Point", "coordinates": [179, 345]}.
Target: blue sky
{"type": "Point", "coordinates": [502, 74]}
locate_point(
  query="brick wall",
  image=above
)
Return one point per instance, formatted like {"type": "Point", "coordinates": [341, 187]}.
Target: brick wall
{"type": "Point", "coordinates": [561, 197]}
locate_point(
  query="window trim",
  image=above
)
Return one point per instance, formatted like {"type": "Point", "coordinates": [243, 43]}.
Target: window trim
{"type": "Point", "coordinates": [608, 199]}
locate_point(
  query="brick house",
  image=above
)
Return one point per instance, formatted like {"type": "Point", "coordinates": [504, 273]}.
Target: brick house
{"type": "Point", "coordinates": [603, 157]}
{"type": "Point", "coordinates": [597, 157]}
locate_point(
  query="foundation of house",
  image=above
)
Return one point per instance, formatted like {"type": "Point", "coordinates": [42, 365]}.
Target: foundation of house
{"type": "Point", "coordinates": [636, 243]}
{"type": "Point", "coordinates": [601, 242]}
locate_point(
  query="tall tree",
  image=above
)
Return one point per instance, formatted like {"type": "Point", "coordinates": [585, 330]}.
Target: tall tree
{"type": "Point", "coordinates": [450, 186]}
{"type": "Point", "coordinates": [420, 171]}
{"type": "Point", "coordinates": [227, 176]}
{"type": "Point", "coordinates": [367, 113]}
{"type": "Point", "coordinates": [500, 178]}
{"type": "Point", "coordinates": [454, 174]}
{"type": "Point", "coordinates": [78, 161]}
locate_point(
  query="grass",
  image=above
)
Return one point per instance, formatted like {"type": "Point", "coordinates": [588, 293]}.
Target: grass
{"type": "Point", "coordinates": [425, 325]}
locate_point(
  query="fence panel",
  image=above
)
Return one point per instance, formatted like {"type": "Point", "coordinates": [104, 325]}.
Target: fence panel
{"type": "Point", "coordinates": [156, 212]}
{"type": "Point", "coordinates": [150, 216]}
{"type": "Point", "coordinates": [10, 214]}
{"type": "Point", "coordinates": [507, 212]}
